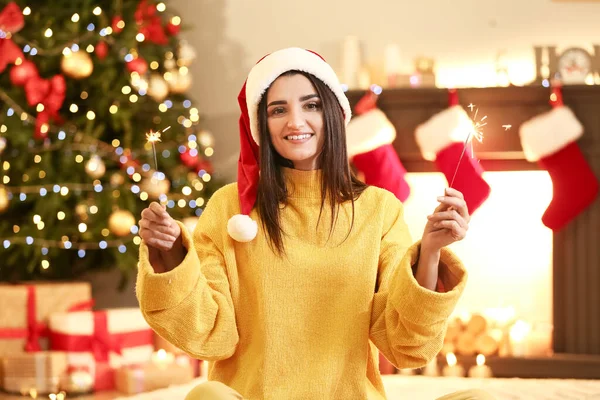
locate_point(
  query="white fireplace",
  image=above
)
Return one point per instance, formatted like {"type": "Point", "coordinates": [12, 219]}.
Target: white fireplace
{"type": "Point", "coordinates": [507, 251]}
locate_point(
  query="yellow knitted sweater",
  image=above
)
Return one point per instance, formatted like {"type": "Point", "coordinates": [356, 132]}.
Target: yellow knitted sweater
{"type": "Point", "coordinates": [302, 326]}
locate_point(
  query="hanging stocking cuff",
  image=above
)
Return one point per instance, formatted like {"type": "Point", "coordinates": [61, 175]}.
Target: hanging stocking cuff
{"type": "Point", "coordinates": [369, 131]}
{"type": "Point", "coordinates": [444, 128]}
{"type": "Point", "coordinates": [549, 132]}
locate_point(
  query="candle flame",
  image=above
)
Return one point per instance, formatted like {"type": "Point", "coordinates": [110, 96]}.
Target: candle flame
{"type": "Point", "coordinates": [451, 359]}
{"type": "Point", "coordinates": [480, 359]}
{"type": "Point", "coordinates": [161, 354]}
{"type": "Point", "coordinates": [153, 137]}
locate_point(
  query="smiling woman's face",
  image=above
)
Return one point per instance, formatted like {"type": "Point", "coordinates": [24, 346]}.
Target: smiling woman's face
{"type": "Point", "coordinates": [295, 120]}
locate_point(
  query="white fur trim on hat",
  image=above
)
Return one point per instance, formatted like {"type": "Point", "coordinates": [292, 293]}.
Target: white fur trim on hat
{"type": "Point", "coordinates": [549, 132]}
{"type": "Point", "coordinates": [269, 68]}
{"type": "Point", "coordinates": [368, 131]}
{"type": "Point", "coordinates": [242, 228]}
{"type": "Point", "coordinates": [444, 128]}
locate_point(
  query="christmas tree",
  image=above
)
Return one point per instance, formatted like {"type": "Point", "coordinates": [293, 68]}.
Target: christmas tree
{"type": "Point", "coordinates": [94, 125]}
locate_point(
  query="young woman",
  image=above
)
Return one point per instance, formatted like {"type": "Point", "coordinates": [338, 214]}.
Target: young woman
{"type": "Point", "coordinates": [297, 304]}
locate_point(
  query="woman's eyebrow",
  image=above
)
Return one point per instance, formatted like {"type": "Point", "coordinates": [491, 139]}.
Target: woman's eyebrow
{"type": "Point", "coordinates": [303, 98]}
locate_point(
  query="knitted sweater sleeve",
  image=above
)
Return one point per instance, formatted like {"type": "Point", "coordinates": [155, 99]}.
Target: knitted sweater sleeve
{"type": "Point", "coordinates": [191, 306]}
{"type": "Point", "coordinates": [408, 321]}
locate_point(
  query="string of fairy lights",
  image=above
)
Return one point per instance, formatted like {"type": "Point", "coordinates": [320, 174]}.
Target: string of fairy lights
{"type": "Point", "coordinates": [145, 182]}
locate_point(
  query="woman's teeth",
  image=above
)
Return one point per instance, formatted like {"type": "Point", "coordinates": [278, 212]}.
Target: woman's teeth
{"type": "Point", "coordinates": [298, 137]}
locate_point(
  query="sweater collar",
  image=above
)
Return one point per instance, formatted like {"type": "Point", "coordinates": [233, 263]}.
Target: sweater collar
{"type": "Point", "coordinates": [303, 184]}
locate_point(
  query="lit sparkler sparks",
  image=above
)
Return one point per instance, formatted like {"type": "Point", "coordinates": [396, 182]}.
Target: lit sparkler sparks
{"type": "Point", "coordinates": [475, 133]}
{"type": "Point", "coordinates": [153, 137]}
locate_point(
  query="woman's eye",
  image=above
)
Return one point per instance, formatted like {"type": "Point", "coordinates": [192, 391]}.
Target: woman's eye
{"type": "Point", "coordinates": [313, 106]}
{"type": "Point", "coordinates": [277, 111]}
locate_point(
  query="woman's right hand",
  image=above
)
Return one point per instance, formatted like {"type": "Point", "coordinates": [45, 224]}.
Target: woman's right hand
{"type": "Point", "coordinates": [163, 236]}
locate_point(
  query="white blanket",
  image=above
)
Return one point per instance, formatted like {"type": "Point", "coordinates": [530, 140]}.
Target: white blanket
{"type": "Point", "coordinates": [426, 388]}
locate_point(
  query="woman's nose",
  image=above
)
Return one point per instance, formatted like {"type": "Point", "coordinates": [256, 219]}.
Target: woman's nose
{"type": "Point", "coordinates": [296, 120]}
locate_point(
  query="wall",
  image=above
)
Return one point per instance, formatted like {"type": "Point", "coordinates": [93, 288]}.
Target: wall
{"type": "Point", "coordinates": [463, 36]}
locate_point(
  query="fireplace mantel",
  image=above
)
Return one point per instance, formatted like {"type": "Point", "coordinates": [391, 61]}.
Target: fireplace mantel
{"type": "Point", "coordinates": [501, 149]}
{"type": "Point", "coordinates": [576, 248]}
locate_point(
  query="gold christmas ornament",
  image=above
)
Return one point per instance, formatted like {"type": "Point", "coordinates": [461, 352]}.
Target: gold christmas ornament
{"type": "Point", "coordinates": [117, 179]}
{"type": "Point", "coordinates": [3, 199]}
{"type": "Point", "coordinates": [158, 88]}
{"type": "Point", "coordinates": [77, 382]}
{"type": "Point", "coordinates": [81, 209]}
{"type": "Point", "coordinates": [95, 167]}
{"type": "Point", "coordinates": [170, 64]}
{"type": "Point", "coordinates": [155, 187]}
{"type": "Point", "coordinates": [77, 65]}
{"type": "Point", "coordinates": [180, 82]}
{"type": "Point", "coordinates": [120, 222]}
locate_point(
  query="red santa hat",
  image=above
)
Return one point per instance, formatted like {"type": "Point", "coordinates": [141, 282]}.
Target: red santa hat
{"type": "Point", "coordinates": [241, 227]}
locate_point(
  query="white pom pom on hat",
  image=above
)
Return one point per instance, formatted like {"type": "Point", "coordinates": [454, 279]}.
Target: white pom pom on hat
{"type": "Point", "coordinates": [241, 227]}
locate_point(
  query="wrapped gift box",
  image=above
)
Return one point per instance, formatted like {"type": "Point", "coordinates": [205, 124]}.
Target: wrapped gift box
{"type": "Point", "coordinates": [102, 341]}
{"type": "Point", "coordinates": [26, 308]}
{"type": "Point", "coordinates": [38, 372]}
{"type": "Point", "coordinates": [133, 379]}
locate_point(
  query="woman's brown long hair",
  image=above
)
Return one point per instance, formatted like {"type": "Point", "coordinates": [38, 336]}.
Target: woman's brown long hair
{"type": "Point", "coordinates": [338, 183]}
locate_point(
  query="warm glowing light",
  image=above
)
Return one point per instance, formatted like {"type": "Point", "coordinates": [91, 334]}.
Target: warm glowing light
{"type": "Point", "coordinates": [97, 11]}
{"type": "Point", "coordinates": [26, 11]}
{"type": "Point", "coordinates": [75, 17]}
{"type": "Point", "coordinates": [48, 33]}
{"type": "Point", "coordinates": [82, 227]}
{"type": "Point", "coordinates": [480, 359]}
{"type": "Point", "coordinates": [140, 37]}
{"type": "Point", "coordinates": [45, 264]}
{"type": "Point", "coordinates": [160, 7]}
{"type": "Point", "coordinates": [451, 359]}
{"type": "Point", "coordinates": [531, 244]}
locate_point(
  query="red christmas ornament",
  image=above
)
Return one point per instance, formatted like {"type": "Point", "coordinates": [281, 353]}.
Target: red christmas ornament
{"type": "Point", "coordinates": [204, 165]}
{"type": "Point", "coordinates": [101, 50]}
{"type": "Point", "coordinates": [138, 65]}
{"type": "Point", "coordinates": [188, 159]}
{"type": "Point", "coordinates": [22, 73]}
{"type": "Point", "coordinates": [172, 29]}
{"type": "Point", "coordinates": [117, 24]}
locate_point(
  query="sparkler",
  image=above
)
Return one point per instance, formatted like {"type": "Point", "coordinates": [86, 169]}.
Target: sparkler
{"type": "Point", "coordinates": [476, 133]}
{"type": "Point", "coordinates": [153, 137]}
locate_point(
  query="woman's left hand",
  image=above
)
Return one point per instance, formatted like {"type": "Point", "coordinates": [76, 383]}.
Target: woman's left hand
{"type": "Point", "coordinates": [448, 223]}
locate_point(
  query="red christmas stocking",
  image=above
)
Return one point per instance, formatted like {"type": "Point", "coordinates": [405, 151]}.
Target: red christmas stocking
{"type": "Point", "coordinates": [550, 139]}
{"type": "Point", "coordinates": [441, 139]}
{"type": "Point", "coordinates": [369, 136]}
